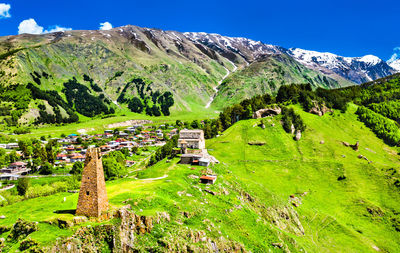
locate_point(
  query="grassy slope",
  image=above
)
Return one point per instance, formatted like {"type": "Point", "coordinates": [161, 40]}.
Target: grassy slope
{"type": "Point", "coordinates": [331, 213]}
{"type": "Point", "coordinates": [266, 76]}
{"type": "Point", "coordinates": [98, 125]}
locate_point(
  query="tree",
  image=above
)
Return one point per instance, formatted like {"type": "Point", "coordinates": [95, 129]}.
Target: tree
{"type": "Point", "coordinates": [51, 150]}
{"type": "Point", "coordinates": [23, 185]}
{"type": "Point", "coordinates": [178, 123]}
{"type": "Point", "coordinates": [195, 124]}
{"type": "Point", "coordinates": [77, 168]}
{"type": "Point", "coordinates": [12, 157]}
{"type": "Point", "coordinates": [112, 168]}
{"type": "Point", "coordinates": [46, 169]}
{"type": "Point", "coordinates": [136, 105]}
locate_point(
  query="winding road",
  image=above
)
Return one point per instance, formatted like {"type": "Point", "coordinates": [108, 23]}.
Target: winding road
{"type": "Point", "coordinates": [220, 82]}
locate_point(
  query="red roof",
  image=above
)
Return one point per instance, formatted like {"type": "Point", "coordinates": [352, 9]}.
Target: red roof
{"type": "Point", "coordinates": [78, 157]}
{"type": "Point", "coordinates": [208, 177]}
{"type": "Point", "coordinates": [18, 164]}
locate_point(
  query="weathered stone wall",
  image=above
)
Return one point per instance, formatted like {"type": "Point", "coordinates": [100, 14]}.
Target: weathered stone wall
{"type": "Point", "coordinates": [92, 195]}
{"type": "Point", "coordinates": [192, 138]}
{"type": "Point", "coordinates": [193, 143]}
{"type": "Point", "coordinates": [191, 134]}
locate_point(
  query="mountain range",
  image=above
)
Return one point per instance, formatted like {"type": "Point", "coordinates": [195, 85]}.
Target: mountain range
{"type": "Point", "coordinates": [200, 70]}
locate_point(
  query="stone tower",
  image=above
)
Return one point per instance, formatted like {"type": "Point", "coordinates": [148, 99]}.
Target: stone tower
{"type": "Point", "coordinates": [93, 199]}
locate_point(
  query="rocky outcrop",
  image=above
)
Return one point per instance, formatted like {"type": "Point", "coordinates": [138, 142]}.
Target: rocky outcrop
{"type": "Point", "coordinates": [298, 135]}
{"type": "Point", "coordinates": [22, 229]}
{"type": "Point", "coordinates": [355, 147]}
{"type": "Point", "coordinates": [319, 110]}
{"type": "Point", "coordinates": [128, 233]}
{"type": "Point", "coordinates": [286, 219]}
{"type": "Point", "coordinates": [272, 111]}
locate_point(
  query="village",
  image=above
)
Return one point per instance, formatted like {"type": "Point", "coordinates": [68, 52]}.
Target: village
{"type": "Point", "coordinates": [72, 148]}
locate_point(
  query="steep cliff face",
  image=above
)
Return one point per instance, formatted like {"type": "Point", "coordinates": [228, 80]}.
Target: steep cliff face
{"type": "Point", "coordinates": [133, 233]}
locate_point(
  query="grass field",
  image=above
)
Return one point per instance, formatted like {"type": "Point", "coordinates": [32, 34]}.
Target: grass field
{"type": "Point", "coordinates": [98, 125]}
{"type": "Point", "coordinates": [253, 191]}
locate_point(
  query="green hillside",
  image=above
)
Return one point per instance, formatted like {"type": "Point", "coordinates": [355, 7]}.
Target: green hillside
{"type": "Point", "coordinates": [131, 69]}
{"type": "Point", "coordinates": [266, 75]}
{"type": "Point", "coordinates": [284, 195]}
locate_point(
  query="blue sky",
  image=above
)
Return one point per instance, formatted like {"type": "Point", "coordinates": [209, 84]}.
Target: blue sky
{"type": "Point", "coordinates": [348, 28]}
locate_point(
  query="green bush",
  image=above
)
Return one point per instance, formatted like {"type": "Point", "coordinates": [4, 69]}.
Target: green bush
{"type": "Point", "coordinates": [23, 185]}
{"type": "Point", "coordinates": [46, 169]}
{"type": "Point", "coordinates": [27, 244]}
{"type": "Point", "coordinates": [383, 127]}
{"type": "Point", "coordinates": [77, 168]}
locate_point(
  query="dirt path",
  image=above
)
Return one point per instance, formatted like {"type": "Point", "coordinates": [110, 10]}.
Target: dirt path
{"type": "Point", "coordinates": [152, 179]}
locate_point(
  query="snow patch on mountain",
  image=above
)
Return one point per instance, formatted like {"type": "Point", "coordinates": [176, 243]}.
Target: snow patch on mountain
{"type": "Point", "coordinates": [370, 59]}
{"type": "Point", "coordinates": [395, 64]}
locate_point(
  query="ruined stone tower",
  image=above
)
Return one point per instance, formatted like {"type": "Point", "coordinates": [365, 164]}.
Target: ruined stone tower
{"type": "Point", "coordinates": [92, 195]}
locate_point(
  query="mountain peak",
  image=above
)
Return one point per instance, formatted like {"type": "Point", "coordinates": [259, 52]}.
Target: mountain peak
{"type": "Point", "coordinates": [370, 59]}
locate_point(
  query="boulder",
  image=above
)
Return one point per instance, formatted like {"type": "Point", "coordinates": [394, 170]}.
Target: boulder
{"type": "Point", "coordinates": [298, 135]}
{"type": "Point", "coordinates": [292, 129]}
{"type": "Point", "coordinates": [355, 146]}
{"type": "Point", "coordinates": [64, 223]}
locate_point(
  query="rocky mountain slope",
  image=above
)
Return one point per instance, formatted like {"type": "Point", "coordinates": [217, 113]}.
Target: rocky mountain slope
{"type": "Point", "coordinates": [356, 69]}
{"type": "Point", "coordinates": [153, 72]}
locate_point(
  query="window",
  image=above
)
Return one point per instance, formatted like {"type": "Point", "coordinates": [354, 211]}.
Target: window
{"type": "Point", "coordinates": [87, 193]}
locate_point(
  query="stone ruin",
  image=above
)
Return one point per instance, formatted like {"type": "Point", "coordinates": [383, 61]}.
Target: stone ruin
{"type": "Point", "coordinates": [262, 113]}
{"type": "Point", "coordinates": [93, 199]}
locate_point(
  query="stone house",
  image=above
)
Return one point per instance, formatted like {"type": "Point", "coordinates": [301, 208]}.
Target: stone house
{"type": "Point", "coordinates": [192, 139]}
{"type": "Point", "coordinates": [189, 158]}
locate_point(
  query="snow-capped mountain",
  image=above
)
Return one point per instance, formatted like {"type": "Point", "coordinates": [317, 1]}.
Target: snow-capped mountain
{"type": "Point", "coordinates": [395, 64]}
{"type": "Point", "coordinates": [356, 69]}
{"type": "Point", "coordinates": [234, 48]}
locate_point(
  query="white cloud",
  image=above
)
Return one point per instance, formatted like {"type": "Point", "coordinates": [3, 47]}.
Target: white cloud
{"type": "Point", "coordinates": [57, 29]}
{"type": "Point", "coordinates": [105, 26]}
{"type": "Point", "coordinates": [30, 26]}
{"type": "Point", "coordinates": [4, 10]}
{"type": "Point", "coordinates": [396, 54]}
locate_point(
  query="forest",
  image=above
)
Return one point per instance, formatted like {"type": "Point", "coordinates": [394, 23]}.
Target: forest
{"type": "Point", "coordinates": [153, 103]}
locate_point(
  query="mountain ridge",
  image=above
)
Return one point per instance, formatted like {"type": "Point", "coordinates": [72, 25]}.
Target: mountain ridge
{"type": "Point", "coordinates": [187, 65]}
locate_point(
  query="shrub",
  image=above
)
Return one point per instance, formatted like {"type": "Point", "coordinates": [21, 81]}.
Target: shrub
{"type": "Point", "coordinates": [77, 168]}
{"type": "Point", "coordinates": [27, 244]}
{"type": "Point", "coordinates": [380, 125]}
{"type": "Point", "coordinates": [46, 169]}
{"type": "Point", "coordinates": [23, 185]}
{"type": "Point", "coordinates": [22, 130]}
